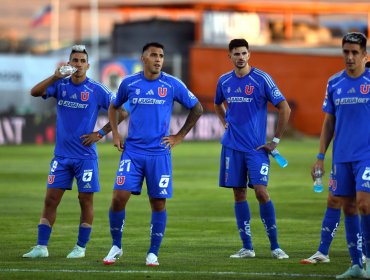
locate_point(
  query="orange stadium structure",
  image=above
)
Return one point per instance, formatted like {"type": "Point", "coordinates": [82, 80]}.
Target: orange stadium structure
{"type": "Point", "coordinates": [301, 74]}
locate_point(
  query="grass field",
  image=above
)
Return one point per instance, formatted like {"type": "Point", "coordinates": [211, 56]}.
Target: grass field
{"type": "Point", "coordinates": [201, 231]}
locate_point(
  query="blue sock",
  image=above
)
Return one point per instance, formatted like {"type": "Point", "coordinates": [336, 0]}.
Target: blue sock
{"type": "Point", "coordinates": [267, 213]}
{"type": "Point", "coordinates": [83, 236]}
{"type": "Point", "coordinates": [157, 228]}
{"type": "Point", "coordinates": [354, 238]}
{"type": "Point", "coordinates": [43, 235]}
{"type": "Point", "coordinates": [329, 227]}
{"type": "Point", "coordinates": [365, 226]}
{"type": "Point", "coordinates": [117, 222]}
{"type": "Point", "coordinates": [243, 217]}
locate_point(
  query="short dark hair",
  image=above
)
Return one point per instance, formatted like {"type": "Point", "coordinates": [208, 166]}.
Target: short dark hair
{"type": "Point", "coordinates": [152, 44]}
{"type": "Point", "coordinates": [367, 64]}
{"type": "Point", "coordinates": [79, 49]}
{"type": "Point", "coordinates": [236, 43]}
{"type": "Point", "coordinates": [355, 38]}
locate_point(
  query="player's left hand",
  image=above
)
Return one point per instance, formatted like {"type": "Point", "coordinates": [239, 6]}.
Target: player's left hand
{"type": "Point", "coordinates": [268, 146]}
{"type": "Point", "coordinates": [91, 138]}
{"type": "Point", "coordinates": [171, 141]}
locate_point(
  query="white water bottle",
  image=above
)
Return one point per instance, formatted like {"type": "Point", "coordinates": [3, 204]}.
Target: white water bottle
{"type": "Point", "coordinates": [279, 158]}
{"type": "Point", "coordinates": [317, 184]}
{"type": "Point", "coordinates": [67, 70]}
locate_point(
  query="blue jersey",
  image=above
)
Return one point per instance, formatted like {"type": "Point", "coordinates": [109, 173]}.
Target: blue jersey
{"type": "Point", "coordinates": [246, 112]}
{"type": "Point", "coordinates": [348, 99]}
{"type": "Point", "coordinates": [77, 110]}
{"type": "Point", "coordinates": [151, 104]}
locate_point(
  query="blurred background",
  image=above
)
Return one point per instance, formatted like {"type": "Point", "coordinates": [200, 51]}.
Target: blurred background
{"type": "Point", "coordinates": [297, 42]}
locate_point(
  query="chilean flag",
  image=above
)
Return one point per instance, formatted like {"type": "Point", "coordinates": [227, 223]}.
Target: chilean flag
{"type": "Point", "coordinates": [42, 17]}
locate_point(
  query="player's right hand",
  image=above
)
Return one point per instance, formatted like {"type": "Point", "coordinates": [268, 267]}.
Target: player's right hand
{"type": "Point", "coordinates": [117, 142]}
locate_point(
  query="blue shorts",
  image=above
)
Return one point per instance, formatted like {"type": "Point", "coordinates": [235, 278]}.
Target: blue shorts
{"type": "Point", "coordinates": [348, 178]}
{"type": "Point", "coordinates": [63, 170]}
{"type": "Point", "coordinates": [157, 171]}
{"type": "Point", "coordinates": [237, 167]}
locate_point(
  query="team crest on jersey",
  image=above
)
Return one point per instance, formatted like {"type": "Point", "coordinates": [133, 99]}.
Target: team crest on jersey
{"type": "Point", "coordinates": [120, 180]}
{"type": "Point", "coordinates": [248, 90]}
{"type": "Point", "coordinates": [162, 91]}
{"type": "Point", "coordinates": [365, 89]}
{"type": "Point", "coordinates": [332, 184]}
{"type": "Point", "coordinates": [84, 95]}
{"type": "Point", "coordinates": [51, 179]}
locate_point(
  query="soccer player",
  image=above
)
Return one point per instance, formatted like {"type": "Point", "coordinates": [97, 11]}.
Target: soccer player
{"type": "Point", "coordinates": [79, 99]}
{"type": "Point", "coordinates": [330, 220]}
{"type": "Point", "coordinates": [347, 108]}
{"type": "Point", "coordinates": [147, 149]}
{"type": "Point", "coordinates": [244, 156]}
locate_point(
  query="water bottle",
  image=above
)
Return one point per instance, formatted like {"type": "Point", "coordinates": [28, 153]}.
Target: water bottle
{"type": "Point", "coordinates": [67, 70]}
{"type": "Point", "coordinates": [317, 184]}
{"type": "Point", "coordinates": [279, 158]}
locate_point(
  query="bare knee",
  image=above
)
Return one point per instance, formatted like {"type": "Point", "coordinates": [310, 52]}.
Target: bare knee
{"type": "Point", "coordinates": [119, 200]}
{"type": "Point", "coordinates": [261, 194]}
{"type": "Point", "coordinates": [363, 203]}
{"type": "Point", "coordinates": [158, 204]}
{"type": "Point", "coordinates": [334, 201]}
{"type": "Point", "coordinates": [53, 198]}
{"type": "Point", "coordinates": [349, 206]}
{"type": "Point", "coordinates": [240, 194]}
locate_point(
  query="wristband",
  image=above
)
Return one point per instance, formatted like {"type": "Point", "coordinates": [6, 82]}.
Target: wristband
{"type": "Point", "coordinates": [275, 140]}
{"type": "Point", "coordinates": [320, 156]}
{"type": "Point", "coordinates": [101, 133]}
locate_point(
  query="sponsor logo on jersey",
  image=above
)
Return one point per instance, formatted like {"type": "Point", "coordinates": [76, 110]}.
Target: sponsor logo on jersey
{"type": "Point", "coordinates": [264, 169]}
{"type": "Point", "coordinates": [84, 95]}
{"type": "Point", "coordinates": [148, 101]}
{"type": "Point", "coordinates": [87, 186]}
{"type": "Point", "coordinates": [366, 175]}
{"type": "Point", "coordinates": [163, 182]}
{"type": "Point", "coordinates": [87, 175]}
{"type": "Point", "coordinates": [137, 91]}
{"type": "Point", "coordinates": [150, 92]}
{"type": "Point", "coordinates": [163, 192]}
{"type": "Point", "coordinates": [51, 179]}
{"type": "Point", "coordinates": [248, 90]}
{"type": "Point", "coordinates": [264, 179]}
{"type": "Point", "coordinates": [239, 100]}
{"type": "Point", "coordinates": [238, 90]}
{"type": "Point", "coordinates": [74, 96]}
{"type": "Point", "coordinates": [162, 91]}
{"type": "Point", "coordinates": [366, 185]}
{"type": "Point", "coordinates": [351, 90]}
{"type": "Point", "coordinates": [351, 100]}
{"type": "Point", "coordinates": [120, 180]}
{"type": "Point", "coordinates": [339, 91]}
{"type": "Point", "coordinates": [364, 89]}
{"type": "Point", "coordinates": [70, 104]}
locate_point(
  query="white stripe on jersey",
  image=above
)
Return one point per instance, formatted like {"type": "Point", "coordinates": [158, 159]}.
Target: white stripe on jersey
{"type": "Point", "coordinates": [170, 76]}
{"type": "Point", "coordinates": [227, 79]}
{"type": "Point", "coordinates": [266, 77]}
